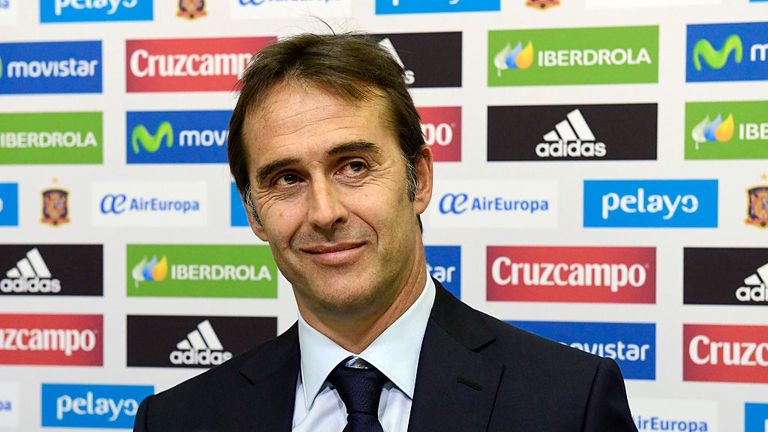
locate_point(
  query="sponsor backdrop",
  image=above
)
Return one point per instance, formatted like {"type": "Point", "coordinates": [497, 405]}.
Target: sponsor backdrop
{"type": "Point", "coordinates": [601, 181]}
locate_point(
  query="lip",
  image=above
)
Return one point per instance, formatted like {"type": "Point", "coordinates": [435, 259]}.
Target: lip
{"type": "Point", "coordinates": [334, 253]}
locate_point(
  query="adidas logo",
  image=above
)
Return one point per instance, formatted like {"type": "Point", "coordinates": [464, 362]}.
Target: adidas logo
{"type": "Point", "coordinates": [408, 75]}
{"type": "Point", "coordinates": [30, 276]}
{"type": "Point", "coordinates": [201, 347]}
{"type": "Point", "coordinates": [571, 137]}
{"type": "Point", "coordinates": [755, 287]}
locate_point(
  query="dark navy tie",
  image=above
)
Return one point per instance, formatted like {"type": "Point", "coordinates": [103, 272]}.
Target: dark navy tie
{"type": "Point", "coordinates": [359, 384]}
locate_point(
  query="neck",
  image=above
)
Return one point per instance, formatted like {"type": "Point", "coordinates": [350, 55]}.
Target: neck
{"type": "Point", "coordinates": [356, 331]}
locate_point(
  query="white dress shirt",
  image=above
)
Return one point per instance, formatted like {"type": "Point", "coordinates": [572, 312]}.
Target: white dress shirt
{"type": "Point", "coordinates": [395, 353]}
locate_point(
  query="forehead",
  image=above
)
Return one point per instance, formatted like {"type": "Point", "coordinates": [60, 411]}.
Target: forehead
{"type": "Point", "coordinates": [295, 119]}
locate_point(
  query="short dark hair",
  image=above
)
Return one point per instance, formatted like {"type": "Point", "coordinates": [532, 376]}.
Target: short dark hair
{"type": "Point", "coordinates": [350, 65]}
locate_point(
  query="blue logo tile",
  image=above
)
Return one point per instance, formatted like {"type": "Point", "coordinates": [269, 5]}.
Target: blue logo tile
{"type": "Point", "coordinates": [444, 264]}
{"type": "Point", "coordinates": [53, 11]}
{"type": "Point", "coordinates": [92, 405]}
{"type": "Point", "coordinates": [50, 67]}
{"type": "Point", "coordinates": [237, 216]}
{"type": "Point", "coordinates": [632, 345]}
{"type": "Point", "coordinates": [386, 7]}
{"type": "Point", "coordinates": [650, 203]}
{"type": "Point", "coordinates": [755, 417]}
{"type": "Point", "coordinates": [727, 52]}
{"type": "Point", "coordinates": [9, 204]}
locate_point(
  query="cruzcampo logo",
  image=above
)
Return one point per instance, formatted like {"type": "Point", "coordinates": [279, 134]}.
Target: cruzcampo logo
{"type": "Point", "coordinates": [142, 139]}
{"type": "Point", "coordinates": [604, 55]}
{"type": "Point", "coordinates": [717, 59]}
{"type": "Point", "coordinates": [51, 138]}
{"type": "Point", "coordinates": [201, 271]}
{"type": "Point", "coordinates": [726, 130]}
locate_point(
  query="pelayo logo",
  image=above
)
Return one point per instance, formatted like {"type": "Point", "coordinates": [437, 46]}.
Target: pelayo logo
{"type": "Point", "coordinates": [603, 55]}
{"type": "Point", "coordinates": [727, 52]}
{"type": "Point", "coordinates": [66, 340]}
{"type": "Point", "coordinates": [674, 415]}
{"type": "Point", "coordinates": [91, 405]}
{"type": "Point", "coordinates": [150, 204]}
{"type": "Point", "coordinates": [441, 127]}
{"type": "Point", "coordinates": [570, 132]}
{"type": "Point", "coordinates": [755, 417]}
{"type": "Point", "coordinates": [50, 67]}
{"type": "Point", "coordinates": [192, 341]}
{"type": "Point", "coordinates": [49, 270]}
{"type": "Point", "coordinates": [725, 353]}
{"type": "Point", "coordinates": [386, 7]}
{"type": "Point", "coordinates": [650, 203]}
{"type": "Point", "coordinates": [444, 264]}
{"type": "Point", "coordinates": [262, 9]}
{"type": "Point", "coordinates": [9, 204]}
{"type": "Point", "coordinates": [509, 204]}
{"type": "Point", "coordinates": [177, 137]}
{"type": "Point", "coordinates": [727, 276]}
{"type": "Point", "coordinates": [632, 345]}
{"type": "Point", "coordinates": [51, 138]}
{"type": "Point", "coordinates": [201, 271]}
{"type": "Point", "coordinates": [571, 274]}
{"type": "Point", "coordinates": [52, 11]}
{"type": "Point", "coordinates": [183, 65]}
{"type": "Point", "coordinates": [726, 130]}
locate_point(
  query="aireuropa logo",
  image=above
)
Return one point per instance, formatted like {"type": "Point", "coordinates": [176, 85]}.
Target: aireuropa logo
{"type": "Point", "coordinates": [601, 55]}
{"type": "Point", "coordinates": [572, 132]}
{"type": "Point", "coordinates": [201, 271]}
{"type": "Point", "coordinates": [444, 264]}
{"type": "Point", "coordinates": [150, 204]}
{"type": "Point", "coordinates": [632, 345]}
{"type": "Point", "coordinates": [51, 138]}
{"type": "Point", "coordinates": [9, 204]}
{"type": "Point", "coordinates": [674, 415]}
{"type": "Point", "coordinates": [441, 127]}
{"type": "Point", "coordinates": [9, 404]}
{"type": "Point", "coordinates": [184, 65]}
{"type": "Point", "coordinates": [726, 276]}
{"type": "Point", "coordinates": [494, 204]}
{"type": "Point", "coordinates": [50, 67]}
{"type": "Point", "coordinates": [49, 270]}
{"type": "Point", "coordinates": [53, 11]}
{"type": "Point", "coordinates": [650, 203]}
{"type": "Point", "coordinates": [263, 9]}
{"type": "Point", "coordinates": [386, 7]}
{"type": "Point", "coordinates": [91, 405]}
{"type": "Point", "coordinates": [422, 65]}
{"type": "Point", "coordinates": [755, 417]}
{"type": "Point", "coordinates": [727, 52]}
{"type": "Point", "coordinates": [571, 274]}
{"type": "Point", "coordinates": [8, 12]}
{"type": "Point", "coordinates": [726, 130]}
{"type": "Point", "coordinates": [64, 340]}
{"type": "Point", "coordinates": [177, 137]}
{"type": "Point", "coordinates": [193, 341]}
{"type": "Point", "coordinates": [725, 353]}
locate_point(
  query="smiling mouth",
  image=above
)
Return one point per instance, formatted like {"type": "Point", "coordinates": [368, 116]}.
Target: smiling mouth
{"type": "Point", "coordinates": [335, 253]}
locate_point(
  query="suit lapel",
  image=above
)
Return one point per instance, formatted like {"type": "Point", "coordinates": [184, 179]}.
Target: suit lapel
{"type": "Point", "coordinates": [273, 371]}
{"type": "Point", "coordinates": [455, 386]}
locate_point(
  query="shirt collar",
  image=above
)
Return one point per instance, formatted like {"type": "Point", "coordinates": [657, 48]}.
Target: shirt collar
{"type": "Point", "coordinates": [395, 352]}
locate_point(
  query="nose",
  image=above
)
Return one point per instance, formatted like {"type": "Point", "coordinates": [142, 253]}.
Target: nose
{"type": "Point", "coordinates": [325, 207]}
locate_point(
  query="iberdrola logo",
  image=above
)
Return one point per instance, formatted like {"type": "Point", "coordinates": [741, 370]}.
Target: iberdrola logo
{"type": "Point", "coordinates": [517, 58]}
{"type": "Point", "coordinates": [717, 130]}
{"type": "Point", "coordinates": [150, 271]}
{"type": "Point", "coordinates": [151, 143]}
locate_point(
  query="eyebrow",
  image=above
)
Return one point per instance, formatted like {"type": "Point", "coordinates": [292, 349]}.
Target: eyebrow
{"type": "Point", "coordinates": [349, 147]}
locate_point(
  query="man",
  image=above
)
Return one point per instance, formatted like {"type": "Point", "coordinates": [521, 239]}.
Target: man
{"type": "Point", "coordinates": [327, 151]}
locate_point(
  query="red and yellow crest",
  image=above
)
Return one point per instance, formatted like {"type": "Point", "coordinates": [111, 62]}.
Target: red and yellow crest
{"type": "Point", "coordinates": [55, 207]}
{"type": "Point", "coordinates": [757, 206]}
{"type": "Point", "coordinates": [542, 4]}
{"type": "Point", "coordinates": [191, 9]}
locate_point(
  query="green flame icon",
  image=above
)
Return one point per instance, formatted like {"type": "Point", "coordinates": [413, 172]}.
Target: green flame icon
{"type": "Point", "coordinates": [714, 58]}
{"type": "Point", "coordinates": [149, 142]}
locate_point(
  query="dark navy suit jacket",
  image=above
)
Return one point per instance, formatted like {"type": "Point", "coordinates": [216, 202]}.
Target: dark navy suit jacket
{"type": "Point", "coordinates": [475, 373]}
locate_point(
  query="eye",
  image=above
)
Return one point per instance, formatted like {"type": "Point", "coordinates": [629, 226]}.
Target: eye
{"type": "Point", "coordinates": [353, 168]}
{"type": "Point", "coordinates": [287, 179]}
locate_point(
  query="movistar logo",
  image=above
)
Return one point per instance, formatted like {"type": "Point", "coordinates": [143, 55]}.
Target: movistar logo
{"type": "Point", "coordinates": [1, 68]}
{"type": "Point", "coordinates": [717, 59]}
{"type": "Point", "coordinates": [149, 142]}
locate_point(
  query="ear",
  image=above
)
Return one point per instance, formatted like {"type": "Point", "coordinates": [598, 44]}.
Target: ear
{"type": "Point", "coordinates": [424, 173]}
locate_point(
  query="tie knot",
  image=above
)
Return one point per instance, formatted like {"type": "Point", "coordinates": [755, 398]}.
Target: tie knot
{"type": "Point", "coordinates": [359, 387]}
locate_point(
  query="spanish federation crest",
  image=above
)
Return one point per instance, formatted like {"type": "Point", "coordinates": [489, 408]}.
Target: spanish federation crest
{"type": "Point", "coordinates": [55, 207]}
{"type": "Point", "coordinates": [757, 206]}
{"type": "Point", "coordinates": [542, 4]}
{"type": "Point", "coordinates": [191, 9]}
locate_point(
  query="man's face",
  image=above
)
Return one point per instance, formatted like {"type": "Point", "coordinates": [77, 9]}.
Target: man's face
{"type": "Point", "coordinates": [329, 186]}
